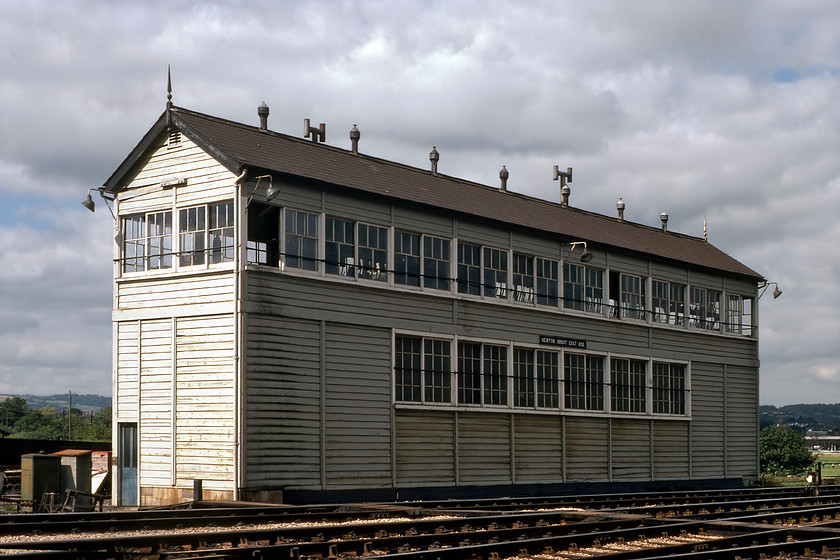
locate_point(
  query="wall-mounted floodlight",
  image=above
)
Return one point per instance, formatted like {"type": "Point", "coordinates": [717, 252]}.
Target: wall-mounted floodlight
{"type": "Point", "coordinates": [270, 193]}
{"type": "Point", "coordinates": [586, 256]}
{"type": "Point", "coordinates": [776, 291]}
{"type": "Point", "coordinates": [90, 205]}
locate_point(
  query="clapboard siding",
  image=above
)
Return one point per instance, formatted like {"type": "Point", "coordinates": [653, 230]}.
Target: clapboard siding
{"type": "Point", "coordinates": [299, 197]}
{"type": "Point", "coordinates": [207, 180]}
{"type": "Point", "coordinates": [422, 222]}
{"type": "Point", "coordinates": [483, 448]}
{"type": "Point", "coordinates": [626, 264]}
{"type": "Point", "coordinates": [741, 421]}
{"type": "Point", "coordinates": [688, 344]}
{"type": "Point", "coordinates": [660, 271]}
{"type": "Point", "coordinates": [351, 303]}
{"type": "Point", "coordinates": [587, 448]}
{"type": "Point", "coordinates": [156, 402]}
{"type": "Point", "coordinates": [205, 440]}
{"type": "Point", "coordinates": [630, 448]}
{"type": "Point", "coordinates": [358, 398]}
{"type": "Point", "coordinates": [707, 420]}
{"type": "Point", "coordinates": [670, 450]}
{"type": "Point", "coordinates": [128, 371]}
{"type": "Point", "coordinates": [705, 279]}
{"type": "Point", "coordinates": [357, 209]}
{"type": "Point", "coordinates": [538, 448]}
{"type": "Point", "coordinates": [425, 448]}
{"type": "Point", "coordinates": [480, 234]}
{"type": "Point", "coordinates": [208, 288]}
{"type": "Point", "coordinates": [282, 402]}
{"type": "Point", "coordinates": [538, 246]}
{"type": "Point", "coordinates": [524, 324]}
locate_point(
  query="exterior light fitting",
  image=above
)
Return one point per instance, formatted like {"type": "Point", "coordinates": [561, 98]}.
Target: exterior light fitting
{"type": "Point", "coordinates": [90, 205]}
{"type": "Point", "coordinates": [586, 256]}
{"type": "Point", "coordinates": [776, 291]}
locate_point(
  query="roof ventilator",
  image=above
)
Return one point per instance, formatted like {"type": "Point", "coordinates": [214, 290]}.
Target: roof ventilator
{"type": "Point", "coordinates": [503, 176]}
{"type": "Point", "coordinates": [663, 217]}
{"type": "Point", "coordinates": [434, 157]}
{"type": "Point", "coordinates": [620, 207]}
{"type": "Point", "coordinates": [262, 112]}
{"type": "Point", "coordinates": [354, 139]}
{"type": "Point", "coordinates": [565, 177]}
{"type": "Point", "coordinates": [316, 134]}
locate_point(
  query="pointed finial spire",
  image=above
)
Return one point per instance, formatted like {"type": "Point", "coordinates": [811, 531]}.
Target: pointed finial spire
{"type": "Point", "coordinates": [169, 86]}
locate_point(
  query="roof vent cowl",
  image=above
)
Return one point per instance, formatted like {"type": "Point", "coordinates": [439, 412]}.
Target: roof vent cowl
{"type": "Point", "coordinates": [354, 139]}
{"type": "Point", "coordinates": [434, 157]}
{"type": "Point", "coordinates": [262, 112]}
{"type": "Point", "coordinates": [663, 217]}
{"type": "Point", "coordinates": [620, 207]}
{"type": "Point", "coordinates": [503, 177]}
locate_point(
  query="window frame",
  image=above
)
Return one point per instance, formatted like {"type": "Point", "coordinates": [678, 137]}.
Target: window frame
{"type": "Point", "coordinates": [428, 382]}
{"type": "Point", "coordinates": [666, 395]}
{"type": "Point", "coordinates": [586, 393]}
{"type": "Point", "coordinates": [581, 292]}
{"type": "Point", "coordinates": [158, 252]}
{"type": "Point", "coordinates": [628, 385]}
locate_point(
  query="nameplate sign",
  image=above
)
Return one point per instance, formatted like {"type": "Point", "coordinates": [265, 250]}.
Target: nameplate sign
{"type": "Point", "coordinates": [564, 342]}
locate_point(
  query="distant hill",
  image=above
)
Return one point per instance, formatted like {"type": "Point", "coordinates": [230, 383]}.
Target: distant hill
{"type": "Point", "coordinates": [82, 402]}
{"type": "Point", "coordinates": [804, 417]}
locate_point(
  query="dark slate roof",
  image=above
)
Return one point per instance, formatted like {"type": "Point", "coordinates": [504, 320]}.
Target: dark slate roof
{"type": "Point", "coordinates": [236, 145]}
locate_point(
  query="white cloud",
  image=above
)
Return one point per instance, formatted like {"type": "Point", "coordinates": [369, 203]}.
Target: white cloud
{"type": "Point", "coordinates": [672, 106]}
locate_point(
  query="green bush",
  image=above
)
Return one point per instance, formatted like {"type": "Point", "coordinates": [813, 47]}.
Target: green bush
{"type": "Point", "coordinates": [783, 451]}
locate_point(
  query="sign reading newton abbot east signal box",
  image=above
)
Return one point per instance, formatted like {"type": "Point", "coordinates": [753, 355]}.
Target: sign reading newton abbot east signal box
{"type": "Point", "coordinates": [560, 341]}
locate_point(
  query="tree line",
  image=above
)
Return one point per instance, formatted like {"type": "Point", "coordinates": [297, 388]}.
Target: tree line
{"type": "Point", "coordinates": [19, 421]}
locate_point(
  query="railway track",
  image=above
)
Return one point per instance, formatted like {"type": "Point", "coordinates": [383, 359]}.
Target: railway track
{"type": "Point", "coordinates": [729, 524]}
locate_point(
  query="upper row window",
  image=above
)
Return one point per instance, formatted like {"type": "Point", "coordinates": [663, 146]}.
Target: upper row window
{"type": "Point", "coordinates": [361, 250]}
{"type": "Point", "coordinates": [205, 235]}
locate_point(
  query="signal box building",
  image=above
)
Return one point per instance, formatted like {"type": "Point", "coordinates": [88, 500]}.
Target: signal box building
{"type": "Point", "coordinates": [296, 321]}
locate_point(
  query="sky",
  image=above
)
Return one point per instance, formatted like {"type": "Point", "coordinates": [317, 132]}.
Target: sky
{"type": "Point", "coordinates": [726, 112]}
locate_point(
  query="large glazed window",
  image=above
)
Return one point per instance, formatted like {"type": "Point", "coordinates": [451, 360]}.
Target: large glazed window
{"type": "Point", "coordinates": [192, 233]}
{"type": "Point", "coordinates": [436, 262]}
{"type": "Point", "coordinates": [373, 252]}
{"type": "Point", "coordinates": [738, 314]}
{"type": "Point", "coordinates": [583, 288]}
{"type": "Point", "coordinates": [406, 258]}
{"type": "Point", "coordinates": [147, 241]}
{"type": "Point", "coordinates": [437, 365]}
{"type": "Point", "coordinates": [628, 385]}
{"type": "Point", "coordinates": [548, 379]}
{"type": "Point", "coordinates": [548, 282]}
{"type": "Point", "coordinates": [469, 373]}
{"type": "Point", "coordinates": [523, 377]}
{"type": "Point", "coordinates": [340, 247]}
{"type": "Point", "coordinates": [584, 382]}
{"type": "Point", "coordinates": [301, 231]}
{"type": "Point", "coordinates": [422, 370]}
{"type": "Point", "coordinates": [221, 232]}
{"type": "Point", "coordinates": [407, 359]}
{"type": "Point", "coordinates": [523, 278]}
{"type": "Point", "coordinates": [704, 309]}
{"type": "Point", "coordinates": [668, 301]}
{"type": "Point", "coordinates": [495, 273]}
{"type": "Point", "coordinates": [469, 268]}
{"type": "Point", "coordinates": [495, 374]}
{"type": "Point", "coordinates": [669, 388]}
